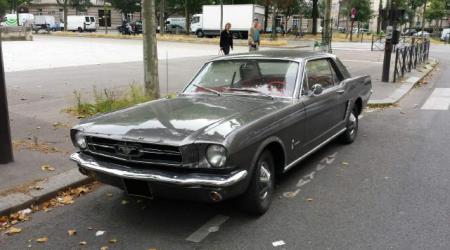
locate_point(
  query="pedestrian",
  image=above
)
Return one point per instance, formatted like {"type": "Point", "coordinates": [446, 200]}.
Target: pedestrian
{"type": "Point", "coordinates": [254, 36]}
{"type": "Point", "coordinates": [226, 39]}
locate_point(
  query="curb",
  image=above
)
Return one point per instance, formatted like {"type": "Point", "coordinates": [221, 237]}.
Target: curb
{"type": "Point", "coordinates": [16, 201]}
{"type": "Point", "coordinates": [404, 89]}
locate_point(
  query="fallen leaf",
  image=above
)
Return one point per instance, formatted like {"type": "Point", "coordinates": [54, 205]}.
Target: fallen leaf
{"type": "Point", "coordinates": [83, 243]}
{"type": "Point", "coordinates": [104, 248]}
{"type": "Point", "coordinates": [42, 240]}
{"type": "Point", "coordinates": [90, 228]}
{"type": "Point", "coordinates": [99, 233]}
{"type": "Point", "coordinates": [124, 202]}
{"type": "Point", "coordinates": [109, 194]}
{"type": "Point", "coordinates": [278, 243]}
{"type": "Point", "coordinates": [29, 246]}
{"type": "Point", "coordinates": [309, 199]}
{"type": "Point", "coordinates": [71, 232]}
{"type": "Point", "coordinates": [113, 241]}
{"type": "Point", "coordinates": [47, 167]}
{"type": "Point", "coordinates": [13, 230]}
{"type": "Point", "coordinates": [66, 200]}
{"type": "Point", "coordinates": [345, 163]}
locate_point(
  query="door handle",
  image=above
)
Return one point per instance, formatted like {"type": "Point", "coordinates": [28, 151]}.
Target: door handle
{"type": "Point", "coordinates": [341, 91]}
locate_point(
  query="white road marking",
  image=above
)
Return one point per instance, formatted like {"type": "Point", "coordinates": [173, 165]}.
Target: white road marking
{"type": "Point", "coordinates": [438, 100]}
{"type": "Point", "coordinates": [211, 226]}
{"type": "Point", "coordinates": [278, 243]}
{"type": "Point", "coordinates": [361, 61]}
{"type": "Point", "coordinates": [328, 160]}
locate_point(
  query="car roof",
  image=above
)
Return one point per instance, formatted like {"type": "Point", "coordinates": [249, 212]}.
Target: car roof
{"type": "Point", "coordinates": [286, 54]}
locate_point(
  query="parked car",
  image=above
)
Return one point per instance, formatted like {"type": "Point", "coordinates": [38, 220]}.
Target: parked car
{"type": "Point", "coordinates": [174, 29]}
{"type": "Point", "coordinates": [419, 34]}
{"type": "Point", "coordinates": [409, 32]}
{"type": "Point", "coordinates": [240, 123]}
{"type": "Point", "coordinates": [445, 35]}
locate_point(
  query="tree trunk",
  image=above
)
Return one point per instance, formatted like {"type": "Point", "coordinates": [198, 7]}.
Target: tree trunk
{"type": "Point", "coordinates": [65, 14]}
{"type": "Point", "coordinates": [326, 34]}
{"type": "Point", "coordinates": [274, 23]}
{"type": "Point", "coordinates": [315, 15]}
{"type": "Point", "coordinates": [151, 78]}
{"type": "Point", "coordinates": [162, 23]}
{"type": "Point", "coordinates": [186, 15]}
{"type": "Point", "coordinates": [266, 17]}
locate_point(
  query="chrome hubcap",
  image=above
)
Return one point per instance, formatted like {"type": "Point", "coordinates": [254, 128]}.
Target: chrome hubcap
{"type": "Point", "coordinates": [264, 180]}
{"type": "Point", "coordinates": [352, 122]}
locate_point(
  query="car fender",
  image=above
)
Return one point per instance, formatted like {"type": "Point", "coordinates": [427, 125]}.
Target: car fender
{"type": "Point", "coordinates": [260, 149]}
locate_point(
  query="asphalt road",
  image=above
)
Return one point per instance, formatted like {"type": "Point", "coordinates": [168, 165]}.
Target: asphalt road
{"type": "Point", "coordinates": [388, 190]}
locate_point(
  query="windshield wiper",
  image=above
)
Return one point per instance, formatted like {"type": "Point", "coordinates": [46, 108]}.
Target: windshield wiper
{"type": "Point", "coordinates": [207, 89]}
{"type": "Point", "coordinates": [251, 91]}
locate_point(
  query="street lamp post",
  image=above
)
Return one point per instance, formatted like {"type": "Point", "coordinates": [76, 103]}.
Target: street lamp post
{"type": "Point", "coordinates": [6, 152]}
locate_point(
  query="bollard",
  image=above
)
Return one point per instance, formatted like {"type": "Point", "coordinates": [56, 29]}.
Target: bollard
{"type": "Point", "coordinates": [6, 152]}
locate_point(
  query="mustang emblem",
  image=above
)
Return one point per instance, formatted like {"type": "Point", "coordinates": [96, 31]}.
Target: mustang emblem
{"type": "Point", "coordinates": [128, 150]}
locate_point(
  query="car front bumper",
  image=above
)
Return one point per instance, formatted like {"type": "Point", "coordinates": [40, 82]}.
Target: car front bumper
{"type": "Point", "coordinates": [190, 186]}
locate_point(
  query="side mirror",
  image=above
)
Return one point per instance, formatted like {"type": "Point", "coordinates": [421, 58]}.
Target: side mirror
{"type": "Point", "coordinates": [316, 89]}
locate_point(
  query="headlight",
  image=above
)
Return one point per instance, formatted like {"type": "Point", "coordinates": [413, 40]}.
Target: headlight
{"type": "Point", "coordinates": [80, 141]}
{"type": "Point", "coordinates": [216, 155]}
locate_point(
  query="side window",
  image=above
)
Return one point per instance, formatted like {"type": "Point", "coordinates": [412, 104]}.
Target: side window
{"type": "Point", "coordinates": [87, 19]}
{"type": "Point", "coordinates": [319, 72]}
{"type": "Point", "coordinates": [305, 86]}
{"type": "Point", "coordinates": [92, 19]}
{"type": "Point", "coordinates": [336, 77]}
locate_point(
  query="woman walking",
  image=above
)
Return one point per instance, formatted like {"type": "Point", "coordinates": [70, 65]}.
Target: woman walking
{"type": "Point", "coordinates": [226, 39]}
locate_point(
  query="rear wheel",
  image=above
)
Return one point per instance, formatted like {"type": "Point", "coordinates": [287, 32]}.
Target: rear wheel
{"type": "Point", "coordinates": [80, 29]}
{"type": "Point", "coordinates": [258, 196]}
{"type": "Point", "coordinates": [350, 134]}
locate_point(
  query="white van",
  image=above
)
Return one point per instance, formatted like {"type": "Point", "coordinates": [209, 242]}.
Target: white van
{"type": "Point", "coordinates": [81, 23]}
{"type": "Point", "coordinates": [445, 35]}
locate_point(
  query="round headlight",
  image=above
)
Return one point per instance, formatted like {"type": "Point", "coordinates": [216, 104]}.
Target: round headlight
{"type": "Point", "coordinates": [80, 140]}
{"type": "Point", "coordinates": [216, 155]}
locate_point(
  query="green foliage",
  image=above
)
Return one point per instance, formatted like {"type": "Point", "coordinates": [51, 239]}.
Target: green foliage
{"type": "Point", "coordinates": [108, 100]}
{"type": "Point", "coordinates": [436, 10]}
{"type": "Point", "coordinates": [127, 6]}
{"type": "Point", "coordinates": [4, 7]}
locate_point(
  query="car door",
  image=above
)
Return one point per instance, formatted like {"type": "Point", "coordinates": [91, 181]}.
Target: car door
{"type": "Point", "coordinates": [321, 109]}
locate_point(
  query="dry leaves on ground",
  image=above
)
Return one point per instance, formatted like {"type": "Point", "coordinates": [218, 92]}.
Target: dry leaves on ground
{"type": "Point", "coordinates": [13, 230]}
{"type": "Point", "coordinates": [83, 243]}
{"type": "Point", "coordinates": [113, 241]}
{"type": "Point", "coordinates": [42, 240]}
{"type": "Point", "coordinates": [47, 167]}
{"type": "Point", "coordinates": [71, 232]}
{"type": "Point", "coordinates": [35, 146]}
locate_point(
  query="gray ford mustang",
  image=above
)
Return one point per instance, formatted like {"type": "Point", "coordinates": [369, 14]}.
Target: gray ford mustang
{"type": "Point", "coordinates": [242, 121]}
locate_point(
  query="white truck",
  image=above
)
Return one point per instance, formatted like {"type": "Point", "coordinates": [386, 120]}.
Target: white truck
{"type": "Point", "coordinates": [240, 16]}
{"type": "Point", "coordinates": [11, 19]}
{"type": "Point", "coordinates": [46, 23]}
{"type": "Point", "coordinates": [81, 23]}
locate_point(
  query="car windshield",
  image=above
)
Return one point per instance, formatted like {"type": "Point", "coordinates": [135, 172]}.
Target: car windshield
{"type": "Point", "coordinates": [251, 77]}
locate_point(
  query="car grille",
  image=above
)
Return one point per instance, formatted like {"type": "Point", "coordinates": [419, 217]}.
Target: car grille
{"type": "Point", "coordinates": [135, 152]}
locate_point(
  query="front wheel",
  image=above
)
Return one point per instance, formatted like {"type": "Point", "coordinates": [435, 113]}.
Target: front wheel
{"type": "Point", "coordinates": [350, 134]}
{"type": "Point", "coordinates": [258, 196]}
{"type": "Point", "coordinates": [200, 34]}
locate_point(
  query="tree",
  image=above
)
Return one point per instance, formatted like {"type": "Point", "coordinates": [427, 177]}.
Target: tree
{"type": "Point", "coordinates": [151, 78]}
{"type": "Point", "coordinates": [436, 11]}
{"type": "Point", "coordinates": [315, 15]}
{"type": "Point", "coordinates": [4, 7]}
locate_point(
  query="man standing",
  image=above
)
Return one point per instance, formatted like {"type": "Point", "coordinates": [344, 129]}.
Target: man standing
{"type": "Point", "coordinates": [254, 36]}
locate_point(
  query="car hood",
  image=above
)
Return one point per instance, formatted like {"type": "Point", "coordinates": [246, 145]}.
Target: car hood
{"type": "Point", "coordinates": [183, 119]}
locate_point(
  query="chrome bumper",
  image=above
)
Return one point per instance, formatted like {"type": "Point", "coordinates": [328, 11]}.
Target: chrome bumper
{"type": "Point", "coordinates": [191, 179]}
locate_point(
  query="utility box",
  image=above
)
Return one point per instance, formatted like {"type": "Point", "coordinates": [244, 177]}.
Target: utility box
{"type": "Point", "coordinates": [395, 37]}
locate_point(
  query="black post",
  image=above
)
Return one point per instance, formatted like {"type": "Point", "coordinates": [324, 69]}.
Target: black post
{"type": "Point", "coordinates": [6, 152]}
{"type": "Point", "coordinates": [389, 45]}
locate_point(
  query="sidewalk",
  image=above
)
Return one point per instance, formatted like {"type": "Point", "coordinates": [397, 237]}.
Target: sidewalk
{"type": "Point", "coordinates": [40, 131]}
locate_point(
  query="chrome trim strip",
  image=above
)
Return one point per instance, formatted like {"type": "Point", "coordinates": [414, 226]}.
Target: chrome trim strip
{"type": "Point", "coordinates": [313, 150]}
{"type": "Point", "coordinates": [134, 161]}
{"type": "Point", "coordinates": [190, 179]}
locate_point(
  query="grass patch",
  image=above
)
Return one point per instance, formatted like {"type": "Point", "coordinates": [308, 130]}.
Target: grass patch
{"type": "Point", "coordinates": [170, 38]}
{"type": "Point", "coordinates": [108, 100]}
